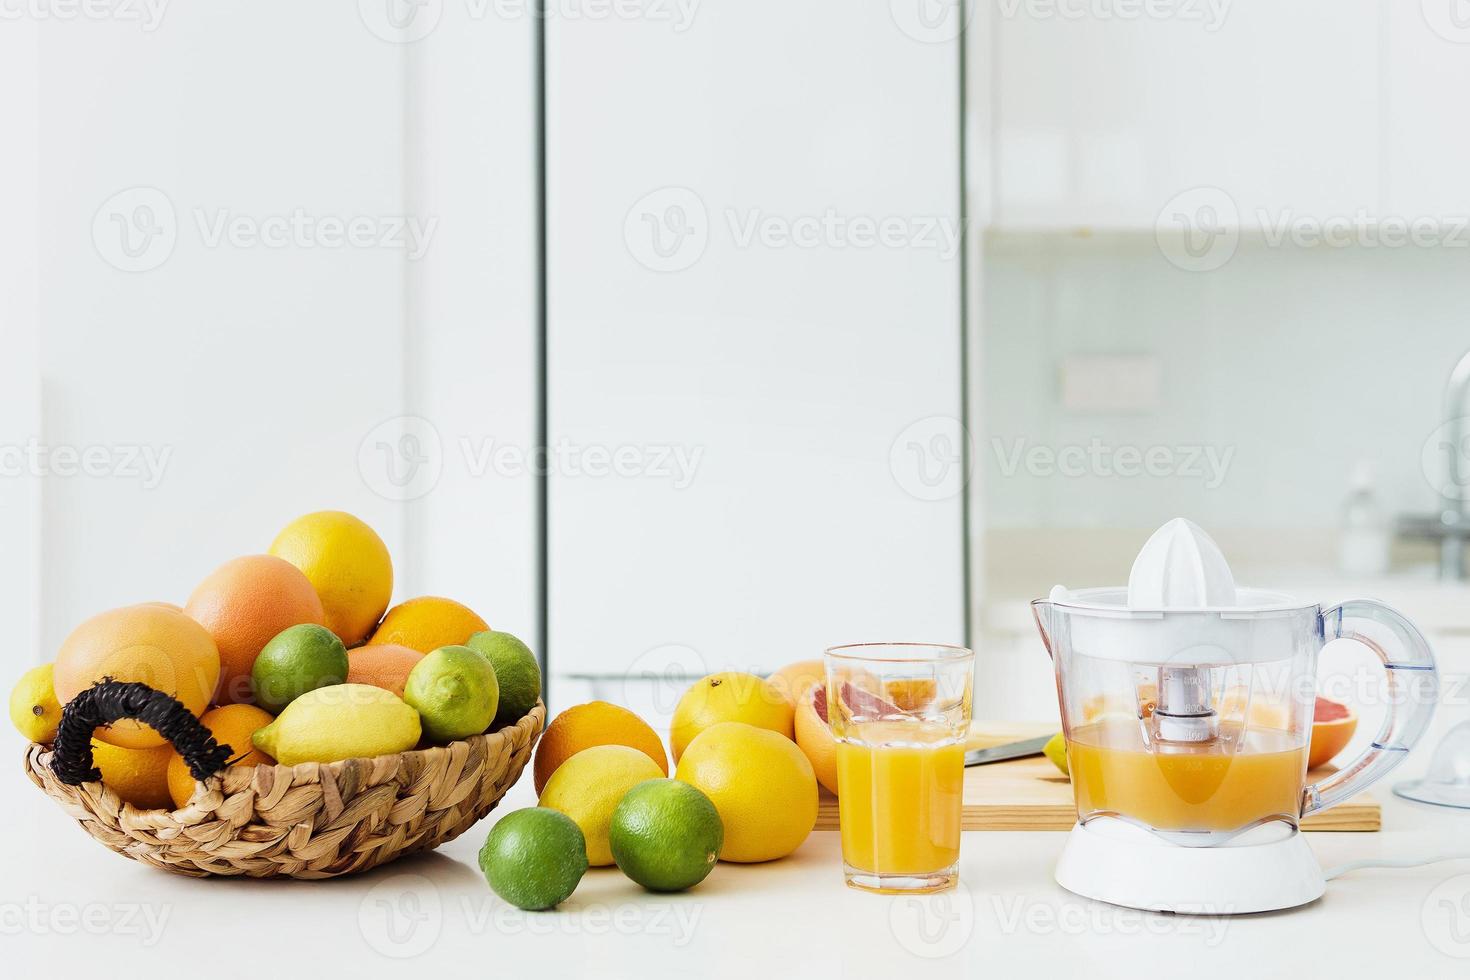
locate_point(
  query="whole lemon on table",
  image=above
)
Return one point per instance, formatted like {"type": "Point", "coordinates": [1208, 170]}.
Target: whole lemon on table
{"type": "Point", "coordinates": [761, 784]}
{"type": "Point", "coordinates": [243, 604]}
{"type": "Point", "coordinates": [232, 725]}
{"type": "Point", "coordinates": [345, 721]}
{"type": "Point", "coordinates": [386, 666]}
{"type": "Point", "coordinates": [347, 564]}
{"type": "Point", "coordinates": [428, 623]}
{"type": "Point", "coordinates": [137, 776]}
{"type": "Point", "coordinates": [455, 693]}
{"type": "Point", "coordinates": [299, 659]}
{"type": "Point", "coordinates": [589, 786]}
{"type": "Point", "coordinates": [731, 696]}
{"type": "Point", "coordinates": [33, 705]}
{"type": "Point", "coordinates": [516, 670]}
{"type": "Point", "coordinates": [147, 644]}
{"type": "Point", "coordinates": [594, 723]}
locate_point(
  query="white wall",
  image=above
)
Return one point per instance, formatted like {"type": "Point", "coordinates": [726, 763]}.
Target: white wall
{"type": "Point", "coordinates": [269, 374]}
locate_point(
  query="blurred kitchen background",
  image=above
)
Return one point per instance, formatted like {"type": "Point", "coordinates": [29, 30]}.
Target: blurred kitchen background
{"type": "Point", "coordinates": [678, 335]}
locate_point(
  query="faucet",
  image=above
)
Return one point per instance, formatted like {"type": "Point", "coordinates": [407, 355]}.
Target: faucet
{"type": "Point", "coordinates": [1451, 526]}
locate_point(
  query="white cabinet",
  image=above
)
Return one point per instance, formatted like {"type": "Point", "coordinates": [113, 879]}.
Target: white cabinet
{"type": "Point", "coordinates": [1426, 144]}
{"type": "Point", "coordinates": [1100, 119]}
{"type": "Point", "coordinates": [753, 292]}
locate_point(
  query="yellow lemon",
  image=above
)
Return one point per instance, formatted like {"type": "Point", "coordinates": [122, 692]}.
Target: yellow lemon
{"type": "Point", "coordinates": [138, 776]}
{"type": "Point", "coordinates": [760, 782]}
{"type": "Point", "coordinates": [731, 696]}
{"type": "Point", "coordinates": [232, 725]}
{"type": "Point", "coordinates": [348, 565]}
{"type": "Point", "coordinates": [33, 705]}
{"type": "Point", "coordinates": [589, 786]}
{"type": "Point", "coordinates": [427, 623]}
{"type": "Point", "coordinates": [344, 721]}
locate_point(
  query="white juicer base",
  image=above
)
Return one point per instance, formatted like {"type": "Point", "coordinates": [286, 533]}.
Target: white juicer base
{"type": "Point", "coordinates": [1130, 867]}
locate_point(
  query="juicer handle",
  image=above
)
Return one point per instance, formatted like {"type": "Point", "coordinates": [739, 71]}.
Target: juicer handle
{"type": "Point", "coordinates": [1412, 691]}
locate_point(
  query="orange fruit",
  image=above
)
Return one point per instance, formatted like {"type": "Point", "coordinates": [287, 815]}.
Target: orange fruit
{"type": "Point", "coordinates": [231, 725]}
{"type": "Point", "coordinates": [148, 644]}
{"type": "Point", "coordinates": [594, 723]}
{"type": "Point", "coordinates": [1333, 725]}
{"type": "Point", "coordinates": [427, 623]}
{"type": "Point", "coordinates": [348, 565]}
{"type": "Point", "coordinates": [243, 604]}
{"type": "Point", "coordinates": [796, 679]}
{"type": "Point", "coordinates": [137, 776]}
{"type": "Point", "coordinates": [760, 782]}
{"type": "Point", "coordinates": [814, 736]}
{"type": "Point", "coordinates": [385, 666]}
{"type": "Point", "coordinates": [731, 696]}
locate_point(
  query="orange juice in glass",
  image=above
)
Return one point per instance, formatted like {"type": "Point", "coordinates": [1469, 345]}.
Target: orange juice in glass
{"type": "Point", "coordinates": [900, 713]}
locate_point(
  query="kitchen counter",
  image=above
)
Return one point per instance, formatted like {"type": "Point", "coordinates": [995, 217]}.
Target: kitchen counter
{"type": "Point", "coordinates": [71, 908]}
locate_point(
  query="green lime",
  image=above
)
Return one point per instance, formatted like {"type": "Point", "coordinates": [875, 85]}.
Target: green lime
{"type": "Point", "coordinates": [534, 857]}
{"type": "Point", "coordinates": [516, 670]}
{"type": "Point", "coordinates": [666, 835]}
{"type": "Point", "coordinates": [296, 660]}
{"type": "Point", "coordinates": [454, 690]}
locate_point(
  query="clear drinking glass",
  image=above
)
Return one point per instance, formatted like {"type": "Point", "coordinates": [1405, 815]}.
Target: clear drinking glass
{"type": "Point", "coordinates": [900, 713]}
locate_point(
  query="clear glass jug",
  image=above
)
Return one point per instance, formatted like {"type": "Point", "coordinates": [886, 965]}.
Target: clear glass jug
{"type": "Point", "coordinates": [1195, 724]}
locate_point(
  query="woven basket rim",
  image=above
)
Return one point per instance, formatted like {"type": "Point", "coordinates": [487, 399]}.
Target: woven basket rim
{"type": "Point", "coordinates": [38, 756]}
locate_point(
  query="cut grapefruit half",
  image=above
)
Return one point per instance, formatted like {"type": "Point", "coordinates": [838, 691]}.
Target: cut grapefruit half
{"type": "Point", "coordinates": [1333, 724]}
{"type": "Point", "coordinates": [814, 735]}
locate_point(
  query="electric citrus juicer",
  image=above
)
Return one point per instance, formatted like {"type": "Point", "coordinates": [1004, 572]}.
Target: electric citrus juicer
{"type": "Point", "coordinates": [1187, 709]}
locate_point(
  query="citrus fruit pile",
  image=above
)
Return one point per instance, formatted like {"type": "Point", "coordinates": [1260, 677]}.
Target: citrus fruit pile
{"type": "Point", "coordinates": [744, 789]}
{"type": "Point", "coordinates": [290, 656]}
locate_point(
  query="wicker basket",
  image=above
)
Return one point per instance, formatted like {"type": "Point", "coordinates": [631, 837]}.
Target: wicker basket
{"type": "Point", "coordinates": [313, 820]}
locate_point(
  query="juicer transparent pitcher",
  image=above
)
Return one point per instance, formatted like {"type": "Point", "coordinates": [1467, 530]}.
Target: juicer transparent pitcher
{"type": "Point", "coordinates": [1194, 724]}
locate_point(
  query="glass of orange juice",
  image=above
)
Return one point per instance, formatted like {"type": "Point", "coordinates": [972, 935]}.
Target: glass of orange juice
{"type": "Point", "coordinates": [900, 713]}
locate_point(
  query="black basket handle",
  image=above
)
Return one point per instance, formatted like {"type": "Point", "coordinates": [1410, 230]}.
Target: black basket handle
{"type": "Point", "coordinates": [108, 701]}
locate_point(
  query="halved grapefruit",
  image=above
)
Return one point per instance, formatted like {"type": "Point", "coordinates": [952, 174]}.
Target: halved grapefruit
{"type": "Point", "coordinates": [1333, 725]}
{"type": "Point", "coordinates": [814, 735]}
{"type": "Point", "coordinates": [796, 679]}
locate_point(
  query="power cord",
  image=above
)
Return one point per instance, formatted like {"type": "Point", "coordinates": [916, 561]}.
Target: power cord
{"type": "Point", "coordinates": [1343, 869]}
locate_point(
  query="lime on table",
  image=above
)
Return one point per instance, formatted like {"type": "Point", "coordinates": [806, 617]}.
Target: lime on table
{"type": "Point", "coordinates": [516, 671]}
{"type": "Point", "coordinates": [534, 858]}
{"type": "Point", "coordinates": [297, 660]}
{"type": "Point", "coordinates": [455, 690]}
{"type": "Point", "coordinates": [666, 835]}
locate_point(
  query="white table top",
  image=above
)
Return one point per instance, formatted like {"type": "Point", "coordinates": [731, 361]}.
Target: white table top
{"type": "Point", "coordinates": [69, 908]}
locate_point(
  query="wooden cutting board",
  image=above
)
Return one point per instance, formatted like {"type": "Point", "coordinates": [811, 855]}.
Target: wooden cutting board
{"type": "Point", "coordinates": [1030, 794]}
